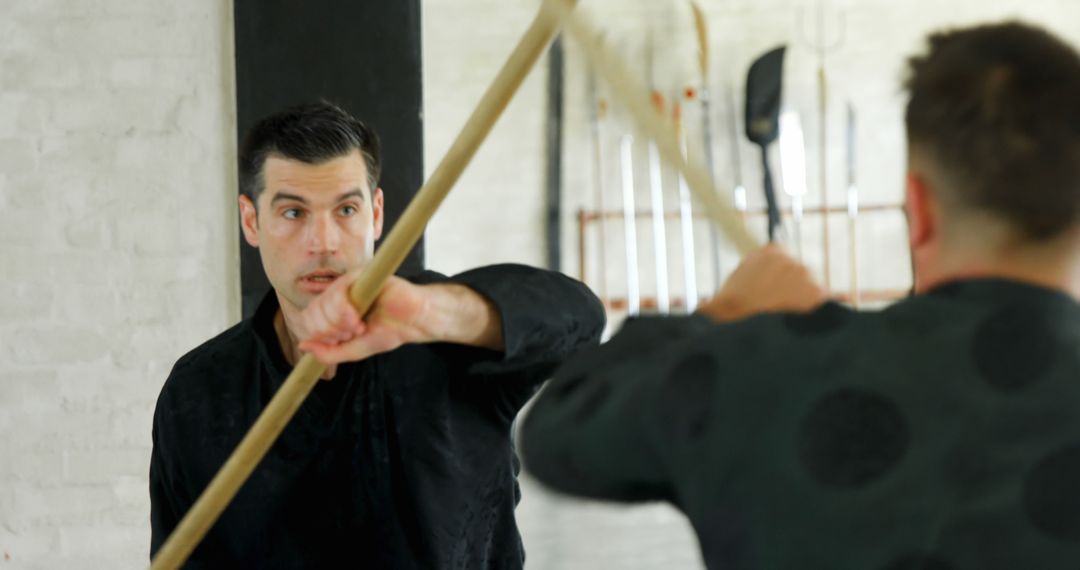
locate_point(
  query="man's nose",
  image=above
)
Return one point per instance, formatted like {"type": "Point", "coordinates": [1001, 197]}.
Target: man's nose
{"type": "Point", "coordinates": [325, 236]}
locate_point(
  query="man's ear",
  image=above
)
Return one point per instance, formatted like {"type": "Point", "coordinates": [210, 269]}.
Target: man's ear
{"type": "Point", "coordinates": [377, 212]}
{"type": "Point", "coordinates": [249, 221]}
{"type": "Point", "coordinates": [922, 211]}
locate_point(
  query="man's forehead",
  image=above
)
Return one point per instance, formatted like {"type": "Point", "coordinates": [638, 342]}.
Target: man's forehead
{"type": "Point", "coordinates": [338, 174]}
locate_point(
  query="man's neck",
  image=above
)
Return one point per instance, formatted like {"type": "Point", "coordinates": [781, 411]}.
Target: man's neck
{"type": "Point", "coordinates": [1052, 268]}
{"type": "Point", "coordinates": [288, 341]}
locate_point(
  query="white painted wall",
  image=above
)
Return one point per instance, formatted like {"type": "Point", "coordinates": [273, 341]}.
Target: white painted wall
{"type": "Point", "coordinates": [117, 254]}
{"type": "Point", "coordinates": [117, 241]}
{"type": "Point", "coordinates": [495, 213]}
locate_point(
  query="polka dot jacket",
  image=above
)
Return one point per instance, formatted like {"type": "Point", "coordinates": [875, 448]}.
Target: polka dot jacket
{"type": "Point", "coordinates": [942, 433]}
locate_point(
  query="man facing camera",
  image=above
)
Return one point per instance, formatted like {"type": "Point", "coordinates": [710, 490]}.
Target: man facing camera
{"type": "Point", "coordinates": [402, 458]}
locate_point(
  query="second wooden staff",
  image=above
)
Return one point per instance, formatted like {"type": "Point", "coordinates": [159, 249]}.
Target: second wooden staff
{"type": "Point", "coordinates": [636, 98]}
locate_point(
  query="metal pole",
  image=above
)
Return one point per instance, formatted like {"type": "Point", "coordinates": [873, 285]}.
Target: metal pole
{"type": "Point", "coordinates": [626, 163]}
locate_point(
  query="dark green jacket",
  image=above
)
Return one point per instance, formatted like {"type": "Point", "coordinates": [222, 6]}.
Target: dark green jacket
{"type": "Point", "coordinates": [942, 433]}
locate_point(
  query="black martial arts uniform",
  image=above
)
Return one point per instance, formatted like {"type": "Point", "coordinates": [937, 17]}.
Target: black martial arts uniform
{"type": "Point", "coordinates": [942, 433]}
{"type": "Point", "coordinates": [404, 460]}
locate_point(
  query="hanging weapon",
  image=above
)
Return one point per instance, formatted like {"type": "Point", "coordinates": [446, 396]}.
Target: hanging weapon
{"type": "Point", "coordinates": [629, 216]}
{"type": "Point", "coordinates": [597, 113]}
{"type": "Point", "coordinates": [626, 169]}
{"type": "Point", "coordinates": [656, 195]}
{"type": "Point", "coordinates": [635, 97]}
{"type": "Point", "coordinates": [852, 206]}
{"type": "Point", "coordinates": [659, 229]}
{"type": "Point", "coordinates": [686, 223]}
{"type": "Point", "coordinates": [793, 170]}
{"type": "Point", "coordinates": [763, 96]}
{"type": "Point", "coordinates": [704, 97]}
{"type": "Point", "coordinates": [739, 192]}
{"type": "Point", "coordinates": [822, 48]}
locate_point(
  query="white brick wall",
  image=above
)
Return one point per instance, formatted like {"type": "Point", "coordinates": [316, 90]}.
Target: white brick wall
{"type": "Point", "coordinates": [501, 193]}
{"type": "Point", "coordinates": [118, 254]}
{"type": "Point", "coordinates": [118, 239]}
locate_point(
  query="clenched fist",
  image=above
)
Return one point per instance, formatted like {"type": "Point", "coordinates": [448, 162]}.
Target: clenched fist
{"type": "Point", "coordinates": [332, 330]}
{"type": "Point", "coordinates": [768, 280]}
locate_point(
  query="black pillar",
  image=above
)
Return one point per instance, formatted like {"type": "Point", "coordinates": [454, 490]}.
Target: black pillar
{"type": "Point", "coordinates": [363, 56]}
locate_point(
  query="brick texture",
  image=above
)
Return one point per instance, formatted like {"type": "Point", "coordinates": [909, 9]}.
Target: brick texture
{"type": "Point", "coordinates": [116, 180]}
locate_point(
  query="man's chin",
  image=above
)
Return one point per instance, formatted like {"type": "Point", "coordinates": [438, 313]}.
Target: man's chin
{"type": "Point", "coordinates": [294, 299]}
{"type": "Point", "coordinates": [310, 288]}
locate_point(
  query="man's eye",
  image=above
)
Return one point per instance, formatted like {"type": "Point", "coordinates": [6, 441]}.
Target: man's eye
{"type": "Point", "coordinates": [348, 210]}
{"type": "Point", "coordinates": [292, 214]}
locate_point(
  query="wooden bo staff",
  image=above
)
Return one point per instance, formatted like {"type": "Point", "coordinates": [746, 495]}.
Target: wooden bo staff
{"type": "Point", "coordinates": [270, 423]}
{"type": "Point", "coordinates": [636, 98]}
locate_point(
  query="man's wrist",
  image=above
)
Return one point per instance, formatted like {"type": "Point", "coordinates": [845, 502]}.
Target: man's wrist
{"type": "Point", "coordinates": [457, 314]}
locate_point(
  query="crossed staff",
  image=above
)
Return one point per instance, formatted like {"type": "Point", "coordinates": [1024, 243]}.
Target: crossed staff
{"type": "Point", "coordinates": [553, 15]}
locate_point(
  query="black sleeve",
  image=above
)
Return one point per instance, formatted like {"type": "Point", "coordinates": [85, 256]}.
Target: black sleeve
{"type": "Point", "coordinates": [170, 494]}
{"type": "Point", "coordinates": [165, 508]}
{"type": "Point", "coordinates": [163, 518]}
{"type": "Point", "coordinates": [546, 317]}
{"type": "Point", "coordinates": [598, 428]}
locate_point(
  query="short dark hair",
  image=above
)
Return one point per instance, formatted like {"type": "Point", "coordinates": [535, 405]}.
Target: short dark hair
{"type": "Point", "coordinates": [311, 133]}
{"type": "Point", "coordinates": [997, 108]}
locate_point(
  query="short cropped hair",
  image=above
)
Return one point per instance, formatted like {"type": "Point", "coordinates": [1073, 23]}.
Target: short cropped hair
{"type": "Point", "coordinates": [312, 133]}
{"type": "Point", "coordinates": [997, 108]}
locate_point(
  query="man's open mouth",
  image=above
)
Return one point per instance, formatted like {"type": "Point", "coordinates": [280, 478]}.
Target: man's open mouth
{"type": "Point", "coordinates": [321, 276]}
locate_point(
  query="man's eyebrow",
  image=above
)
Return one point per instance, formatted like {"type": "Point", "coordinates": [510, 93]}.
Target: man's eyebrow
{"type": "Point", "coordinates": [286, 196]}
{"type": "Point", "coordinates": [351, 194]}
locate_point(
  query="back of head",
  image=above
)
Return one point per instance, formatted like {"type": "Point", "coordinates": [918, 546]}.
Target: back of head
{"type": "Point", "coordinates": [311, 133]}
{"type": "Point", "coordinates": [996, 109]}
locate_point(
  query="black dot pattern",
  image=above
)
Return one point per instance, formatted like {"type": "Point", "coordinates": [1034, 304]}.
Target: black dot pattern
{"type": "Point", "coordinates": [1014, 348]}
{"type": "Point", "coordinates": [919, 562]}
{"type": "Point", "coordinates": [1052, 494]}
{"type": "Point", "coordinates": [686, 397]}
{"type": "Point", "coordinates": [828, 318]}
{"type": "Point", "coordinates": [852, 437]}
{"type": "Point", "coordinates": [938, 434]}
